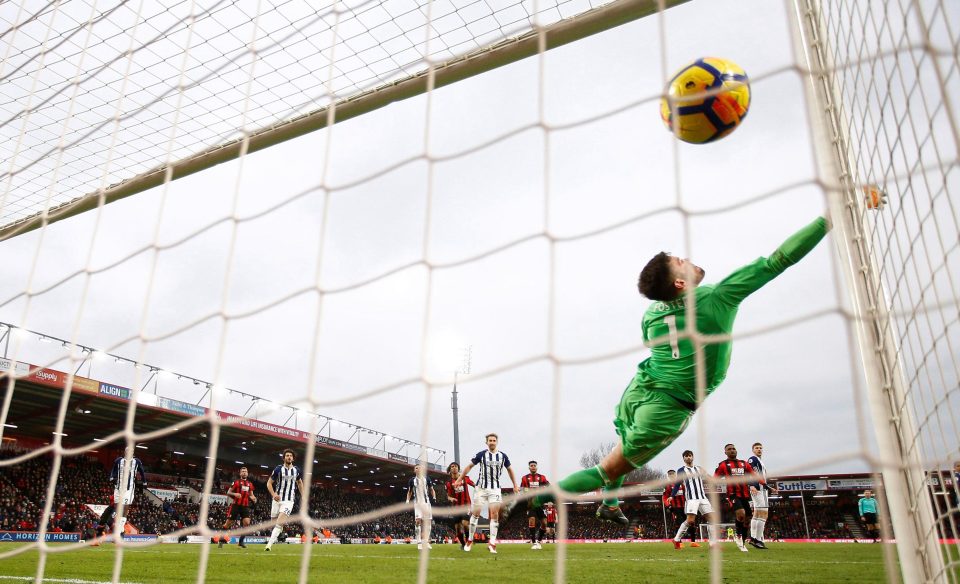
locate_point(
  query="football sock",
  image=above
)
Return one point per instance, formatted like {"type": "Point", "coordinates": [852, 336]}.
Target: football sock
{"type": "Point", "coordinates": [761, 525]}
{"type": "Point", "coordinates": [416, 533]}
{"type": "Point", "coordinates": [494, 526]}
{"type": "Point", "coordinates": [274, 535]}
{"type": "Point", "coordinates": [118, 529]}
{"type": "Point", "coordinates": [680, 531]}
{"type": "Point", "coordinates": [241, 538]}
{"type": "Point", "coordinates": [613, 486]}
{"type": "Point", "coordinates": [693, 532]}
{"type": "Point", "coordinates": [533, 534]}
{"type": "Point", "coordinates": [473, 527]}
{"type": "Point", "coordinates": [540, 535]}
{"type": "Point", "coordinates": [107, 516]}
{"type": "Point", "coordinates": [753, 528]}
{"type": "Point", "coordinates": [582, 481]}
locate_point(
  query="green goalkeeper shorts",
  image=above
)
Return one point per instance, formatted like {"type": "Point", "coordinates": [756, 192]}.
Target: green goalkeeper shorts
{"type": "Point", "coordinates": [648, 421]}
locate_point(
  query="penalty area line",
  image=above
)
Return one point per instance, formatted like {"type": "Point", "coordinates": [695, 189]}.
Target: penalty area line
{"type": "Point", "coordinates": [58, 580]}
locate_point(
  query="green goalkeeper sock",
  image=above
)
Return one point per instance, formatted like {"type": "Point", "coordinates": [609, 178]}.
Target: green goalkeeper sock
{"type": "Point", "coordinates": [582, 481]}
{"type": "Point", "coordinates": [613, 486]}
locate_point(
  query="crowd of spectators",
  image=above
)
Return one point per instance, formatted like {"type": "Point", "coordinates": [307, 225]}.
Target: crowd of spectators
{"type": "Point", "coordinates": [82, 480]}
{"type": "Point", "coordinates": [23, 492]}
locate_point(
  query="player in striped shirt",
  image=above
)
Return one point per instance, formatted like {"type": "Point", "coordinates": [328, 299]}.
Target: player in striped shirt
{"type": "Point", "coordinates": [690, 479]}
{"type": "Point", "coordinates": [283, 485]}
{"type": "Point", "coordinates": [491, 463]}
{"type": "Point", "coordinates": [420, 489]}
{"type": "Point", "coordinates": [659, 401]}
{"type": "Point", "coordinates": [459, 496]}
{"type": "Point", "coordinates": [550, 511]}
{"type": "Point", "coordinates": [677, 503]}
{"type": "Point", "coordinates": [126, 473]}
{"type": "Point", "coordinates": [760, 498]}
{"type": "Point", "coordinates": [735, 473]}
{"type": "Point", "coordinates": [536, 518]}
{"type": "Point", "coordinates": [241, 491]}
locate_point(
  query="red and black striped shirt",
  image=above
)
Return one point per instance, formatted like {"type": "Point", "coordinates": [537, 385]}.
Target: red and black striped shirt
{"type": "Point", "coordinates": [551, 514]}
{"type": "Point", "coordinates": [533, 481]}
{"type": "Point", "coordinates": [735, 469]}
{"type": "Point", "coordinates": [244, 489]}
{"type": "Point", "coordinates": [461, 494]}
{"type": "Point", "coordinates": [678, 501]}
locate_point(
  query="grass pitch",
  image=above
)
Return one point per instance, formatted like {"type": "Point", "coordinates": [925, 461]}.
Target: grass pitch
{"type": "Point", "coordinates": [586, 563]}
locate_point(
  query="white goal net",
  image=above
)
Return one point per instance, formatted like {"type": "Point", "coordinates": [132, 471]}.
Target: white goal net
{"type": "Point", "coordinates": [233, 227]}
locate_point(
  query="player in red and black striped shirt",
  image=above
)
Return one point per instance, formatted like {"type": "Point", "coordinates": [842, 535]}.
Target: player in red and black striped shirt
{"type": "Point", "coordinates": [738, 490]}
{"type": "Point", "coordinates": [459, 495]}
{"type": "Point", "coordinates": [551, 512]}
{"type": "Point", "coordinates": [242, 493]}
{"type": "Point", "coordinates": [535, 515]}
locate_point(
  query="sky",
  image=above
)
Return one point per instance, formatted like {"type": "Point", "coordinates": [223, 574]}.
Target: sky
{"type": "Point", "coordinates": [510, 212]}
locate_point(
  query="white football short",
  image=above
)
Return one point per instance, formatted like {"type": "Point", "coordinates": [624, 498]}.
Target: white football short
{"type": "Point", "coordinates": [127, 496]}
{"type": "Point", "coordinates": [422, 511]}
{"type": "Point", "coordinates": [487, 496]}
{"type": "Point", "coordinates": [701, 506]}
{"type": "Point", "coordinates": [278, 507]}
{"type": "Point", "coordinates": [760, 499]}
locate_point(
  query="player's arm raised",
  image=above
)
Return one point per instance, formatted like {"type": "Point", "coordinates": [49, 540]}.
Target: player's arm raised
{"type": "Point", "coordinates": [733, 289]}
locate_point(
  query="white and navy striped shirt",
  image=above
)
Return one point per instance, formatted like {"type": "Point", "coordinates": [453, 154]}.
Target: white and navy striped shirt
{"type": "Point", "coordinates": [691, 477]}
{"type": "Point", "coordinates": [123, 478]}
{"type": "Point", "coordinates": [491, 464]}
{"type": "Point", "coordinates": [758, 467]}
{"type": "Point", "coordinates": [285, 481]}
{"type": "Point", "coordinates": [420, 489]}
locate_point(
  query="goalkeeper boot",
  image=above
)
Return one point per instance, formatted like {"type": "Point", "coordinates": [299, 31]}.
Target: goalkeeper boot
{"type": "Point", "coordinates": [612, 514]}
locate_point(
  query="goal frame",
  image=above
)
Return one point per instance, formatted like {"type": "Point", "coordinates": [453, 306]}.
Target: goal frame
{"type": "Point", "coordinates": [900, 463]}
{"type": "Point", "coordinates": [531, 43]}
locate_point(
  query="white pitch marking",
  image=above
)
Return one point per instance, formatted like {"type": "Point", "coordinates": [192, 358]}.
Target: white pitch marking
{"type": "Point", "coordinates": [59, 580]}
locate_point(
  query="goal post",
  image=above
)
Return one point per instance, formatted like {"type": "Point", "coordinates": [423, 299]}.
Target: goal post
{"type": "Point", "coordinates": [900, 461]}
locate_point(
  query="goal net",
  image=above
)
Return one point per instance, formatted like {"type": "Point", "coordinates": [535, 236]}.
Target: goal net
{"type": "Point", "coordinates": [231, 228]}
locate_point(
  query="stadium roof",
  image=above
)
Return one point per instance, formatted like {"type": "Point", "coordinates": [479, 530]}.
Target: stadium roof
{"type": "Point", "coordinates": [96, 410]}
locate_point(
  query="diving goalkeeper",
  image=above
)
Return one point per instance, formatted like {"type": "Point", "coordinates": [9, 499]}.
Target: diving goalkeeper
{"type": "Point", "coordinates": [660, 400]}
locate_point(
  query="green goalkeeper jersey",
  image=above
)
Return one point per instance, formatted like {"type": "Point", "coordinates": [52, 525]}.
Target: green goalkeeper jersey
{"type": "Point", "coordinates": [671, 367]}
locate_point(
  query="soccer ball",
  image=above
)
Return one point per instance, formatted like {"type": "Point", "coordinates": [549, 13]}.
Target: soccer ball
{"type": "Point", "coordinates": [706, 100]}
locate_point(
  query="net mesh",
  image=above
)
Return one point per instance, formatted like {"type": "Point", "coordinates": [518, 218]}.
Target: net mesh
{"type": "Point", "coordinates": [471, 196]}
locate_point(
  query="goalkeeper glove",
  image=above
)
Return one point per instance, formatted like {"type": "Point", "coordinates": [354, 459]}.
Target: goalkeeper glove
{"type": "Point", "coordinates": [874, 197]}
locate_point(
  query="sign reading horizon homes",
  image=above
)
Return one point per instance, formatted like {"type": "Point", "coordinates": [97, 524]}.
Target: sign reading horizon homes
{"type": "Point", "coordinates": [34, 536]}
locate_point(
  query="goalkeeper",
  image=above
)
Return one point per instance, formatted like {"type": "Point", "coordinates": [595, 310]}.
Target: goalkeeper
{"type": "Point", "coordinates": [660, 400]}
